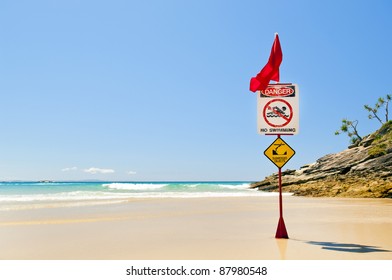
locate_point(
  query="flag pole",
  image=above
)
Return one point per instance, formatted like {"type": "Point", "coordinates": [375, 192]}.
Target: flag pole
{"type": "Point", "coordinates": [281, 231]}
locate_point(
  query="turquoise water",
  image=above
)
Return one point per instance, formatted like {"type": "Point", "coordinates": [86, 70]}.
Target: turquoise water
{"type": "Point", "coordinates": [79, 191]}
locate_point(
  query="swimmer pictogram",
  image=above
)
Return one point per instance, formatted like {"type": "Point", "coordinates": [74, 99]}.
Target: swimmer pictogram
{"type": "Point", "coordinates": [277, 113]}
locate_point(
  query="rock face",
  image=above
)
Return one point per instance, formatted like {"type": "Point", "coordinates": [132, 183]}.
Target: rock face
{"type": "Point", "coordinates": [363, 170]}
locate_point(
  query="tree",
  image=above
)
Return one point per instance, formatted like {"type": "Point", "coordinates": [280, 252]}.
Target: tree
{"type": "Point", "coordinates": [389, 98]}
{"type": "Point", "coordinates": [380, 103]}
{"type": "Point", "coordinates": [350, 127]}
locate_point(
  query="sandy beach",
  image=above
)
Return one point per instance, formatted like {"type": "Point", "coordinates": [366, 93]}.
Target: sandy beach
{"type": "Point", "coordinates": [201, 228]}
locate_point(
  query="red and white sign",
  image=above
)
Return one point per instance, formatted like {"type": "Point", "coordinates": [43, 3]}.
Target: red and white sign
{"type": "Point", "coordinates": [277, 110]}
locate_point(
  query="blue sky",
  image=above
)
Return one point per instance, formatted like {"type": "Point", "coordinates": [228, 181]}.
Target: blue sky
{"type": "Point", "coordinates": [159, 90]}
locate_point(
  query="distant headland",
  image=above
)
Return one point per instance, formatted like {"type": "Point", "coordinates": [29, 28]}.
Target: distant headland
{"type": "Point", "coordinates": [362, 170]}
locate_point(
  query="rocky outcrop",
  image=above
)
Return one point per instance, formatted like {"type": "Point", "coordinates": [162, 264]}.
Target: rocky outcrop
{"type": "Point", "coordinates": [363, 170]}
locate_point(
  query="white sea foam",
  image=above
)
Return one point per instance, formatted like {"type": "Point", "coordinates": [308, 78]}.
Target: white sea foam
{"type": "Point", "coordinates": [220, 185]}
{"type": "Point", "coordinates": [12, 203]}
{"type": "Point", "coordinates": [234, 187]}
{"type": "Point", "coordinates": [134, 187]}
{"type": "Point", "coordinates": [88, 196]}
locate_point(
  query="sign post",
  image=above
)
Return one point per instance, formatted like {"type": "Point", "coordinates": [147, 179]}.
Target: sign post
{"type": "Point", "coordinates": [281, 231]}
{"type": "Point", "coordinates": [278, 114]}
{"type": "Point", "coordinates": [279, 152]}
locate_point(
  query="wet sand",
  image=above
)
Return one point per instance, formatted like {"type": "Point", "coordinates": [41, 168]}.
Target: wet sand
{"type": "Point", "coordinates": [201, 229]}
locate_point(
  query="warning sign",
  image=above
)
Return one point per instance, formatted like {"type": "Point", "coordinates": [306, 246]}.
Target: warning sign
{"type": "Point", "coordinates": [277, 113]}
{"type": "Point", "coordinates": [279, 152]}
{"type": "Point", "coordinates": [278, 110]}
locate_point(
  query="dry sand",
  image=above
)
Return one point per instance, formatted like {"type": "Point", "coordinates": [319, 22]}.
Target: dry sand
{"type": "Point", "coordinates": [202, 228]}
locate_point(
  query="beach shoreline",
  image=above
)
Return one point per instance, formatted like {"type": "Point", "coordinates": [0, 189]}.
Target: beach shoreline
{"type": "Point", "coordinates": [220, 228]}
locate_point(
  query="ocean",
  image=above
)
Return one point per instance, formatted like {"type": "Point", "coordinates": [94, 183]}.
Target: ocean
{"type": "Point", "coordinates": [25, 195]}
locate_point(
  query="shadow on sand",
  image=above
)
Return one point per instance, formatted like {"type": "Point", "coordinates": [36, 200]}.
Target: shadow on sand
{"type": "Point", "coordinates": [347, 247]}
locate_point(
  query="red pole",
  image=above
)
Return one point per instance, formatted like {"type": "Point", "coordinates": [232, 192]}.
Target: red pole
{"type": "Point", "coordinates": [280, 193]}
{"type": "Point", "coordinates": [281, 231]}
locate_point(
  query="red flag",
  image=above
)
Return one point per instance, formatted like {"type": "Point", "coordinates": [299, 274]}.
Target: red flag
{"type": "Point", "coordinates": [270, 70]}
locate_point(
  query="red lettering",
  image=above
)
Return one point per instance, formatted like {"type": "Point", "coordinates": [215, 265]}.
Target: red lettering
{"type": "Point", "coordinates": [275, 91]}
